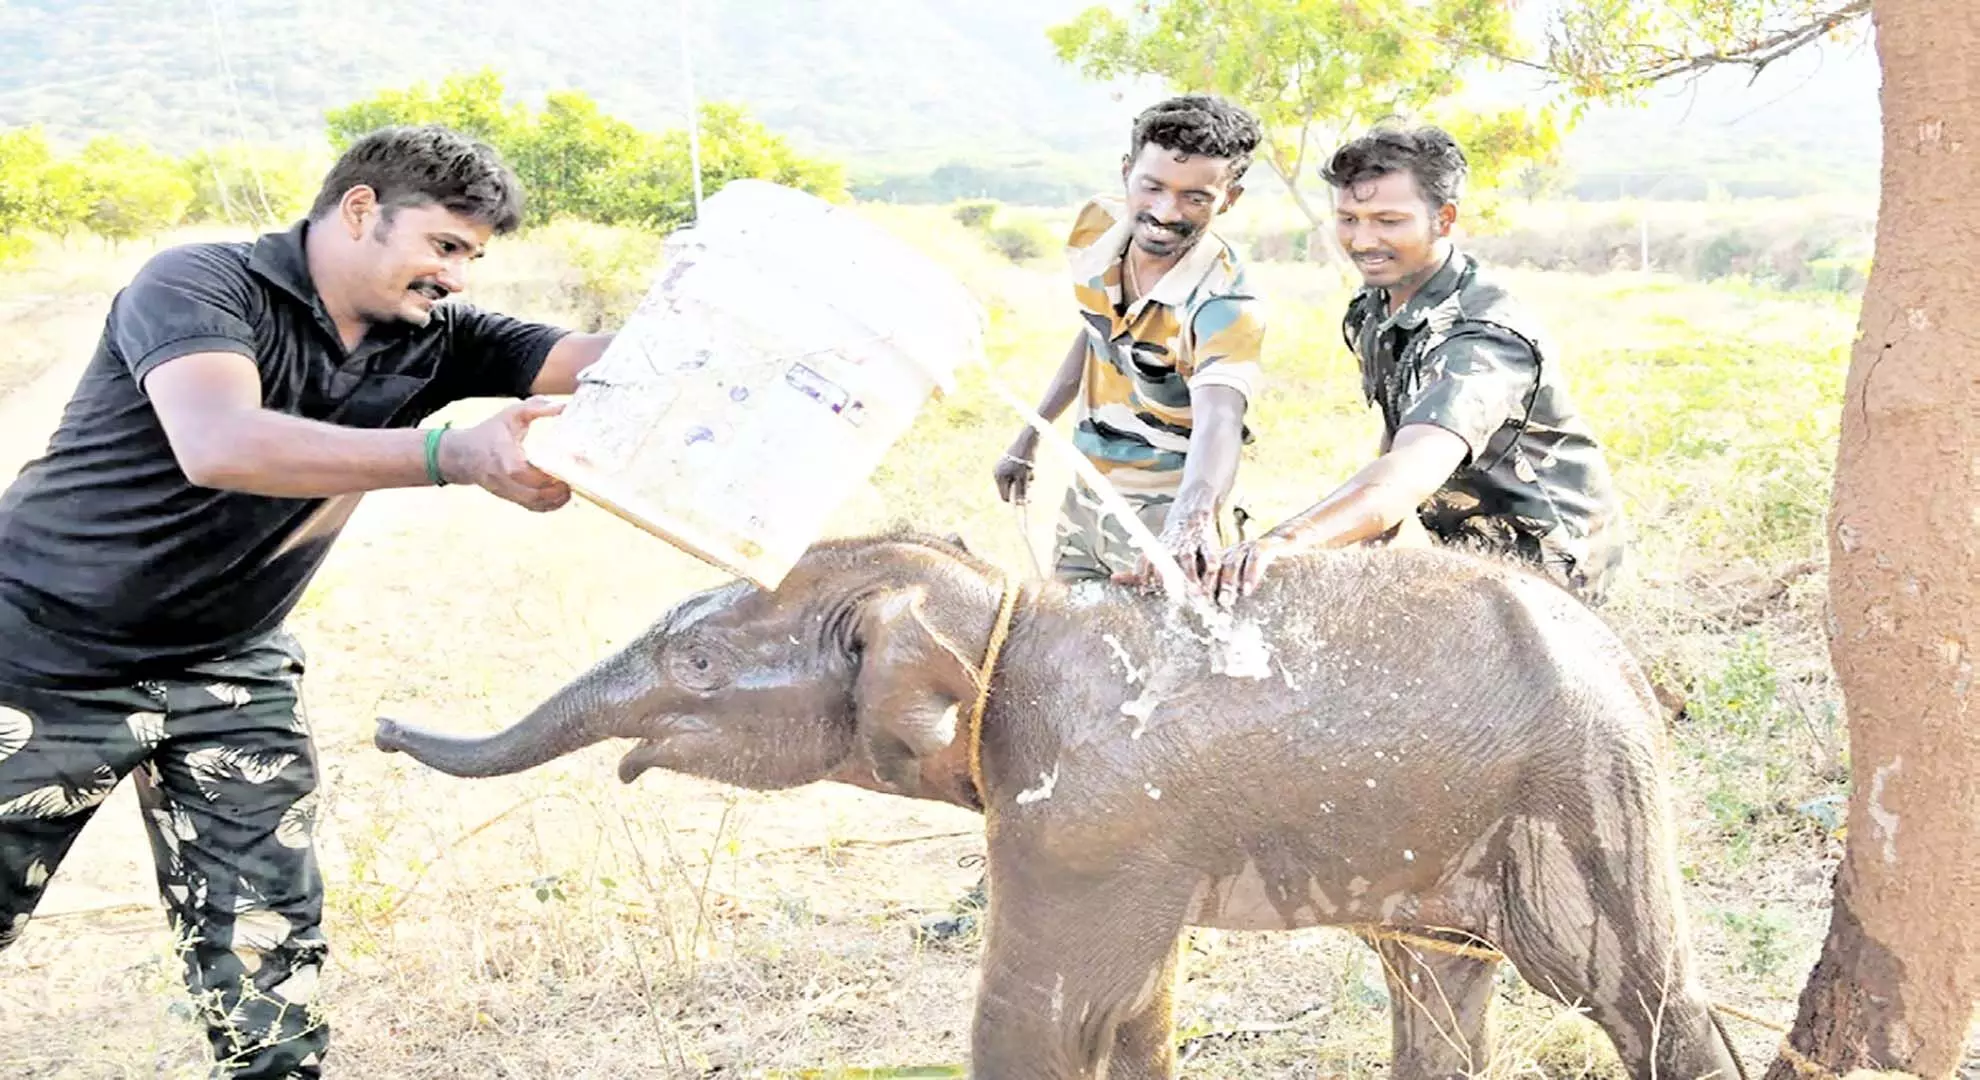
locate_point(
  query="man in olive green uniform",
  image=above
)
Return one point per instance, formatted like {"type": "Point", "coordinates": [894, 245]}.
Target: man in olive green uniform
{"type": "Point", "coordinates": [1481, 445]}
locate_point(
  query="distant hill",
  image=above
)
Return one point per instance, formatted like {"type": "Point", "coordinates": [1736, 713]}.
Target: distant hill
{"type": "Point", "coordinates": [893, 87]}
{"type": "Point", "coordinates": [1810, 123]}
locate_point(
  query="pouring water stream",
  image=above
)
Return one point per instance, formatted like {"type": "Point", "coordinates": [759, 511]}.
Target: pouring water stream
{"type": "Point", "coordinates": [1238, 647]}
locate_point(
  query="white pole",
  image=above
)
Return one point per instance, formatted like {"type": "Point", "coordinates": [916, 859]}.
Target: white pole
{"type": "Point", "coordinates": [694, 111]}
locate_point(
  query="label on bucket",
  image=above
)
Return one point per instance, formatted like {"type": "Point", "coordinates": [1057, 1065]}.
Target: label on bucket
{"type": "Point", "coordinates": [753, 389]}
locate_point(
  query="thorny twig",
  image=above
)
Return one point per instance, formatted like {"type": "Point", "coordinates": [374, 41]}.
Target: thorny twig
{"type": "Point", "coordinates": [1196, 1043]}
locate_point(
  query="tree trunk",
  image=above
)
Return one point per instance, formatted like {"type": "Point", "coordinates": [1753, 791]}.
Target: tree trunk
{"type": "Point", "coordinates": [1899, 976]}
{"type": "Point", "coordinates": [1319, 227]}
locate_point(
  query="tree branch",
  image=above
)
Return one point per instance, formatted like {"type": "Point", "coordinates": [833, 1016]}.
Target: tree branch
{"type": "Point", "coordinates": [1761, 53]}
{"type": "Point", "coordinates": [1275, 160]}
{"type": "Point", "coordinates": [1757, 54]}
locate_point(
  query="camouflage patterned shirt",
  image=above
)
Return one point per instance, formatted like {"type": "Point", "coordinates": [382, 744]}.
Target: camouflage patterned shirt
{"type": "Point", "coordinates": [1461, 355]}
{"type": "Point", "coordinates": [1198, 326]}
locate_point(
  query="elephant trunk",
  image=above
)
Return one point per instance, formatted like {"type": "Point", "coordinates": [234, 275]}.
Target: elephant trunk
{"type": "Point", "coordinates": [599, 704]}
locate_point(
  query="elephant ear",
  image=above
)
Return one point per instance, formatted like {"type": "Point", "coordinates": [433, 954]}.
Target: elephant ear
{"type": "Point", "coordinates": [911, 683]}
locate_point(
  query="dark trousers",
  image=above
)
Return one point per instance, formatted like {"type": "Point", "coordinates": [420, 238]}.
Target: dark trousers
{"type": "Point", "coordinates": [226, 774]}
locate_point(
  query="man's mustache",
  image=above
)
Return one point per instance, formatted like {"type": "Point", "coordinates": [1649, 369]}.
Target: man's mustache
{"type": "Point", "coordinates": [1180, 228]}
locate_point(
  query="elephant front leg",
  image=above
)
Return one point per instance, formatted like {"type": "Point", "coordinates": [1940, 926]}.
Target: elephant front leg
{"type": "Point", "coordinates": [1078, 983]}
{"type": "Point", "coordinates": [1145, 1042]}
{"type": "Point", "coordinates": [1439, 1007]}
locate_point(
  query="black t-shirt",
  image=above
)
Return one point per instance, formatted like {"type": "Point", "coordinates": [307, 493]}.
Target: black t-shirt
{"type": "Point", "coordinates": [115, 568]}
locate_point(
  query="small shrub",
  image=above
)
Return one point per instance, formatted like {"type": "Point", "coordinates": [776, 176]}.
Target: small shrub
{"type": "Point", "coordinates": [1839, 274]}
{"type": "Point", "coordinates": [1021, 242]}
{"type": "Point", "coordinates": [1778, 245]}
{"type": "Point", "coordinates": [607, 270]}
{"type": "Point", "coordinates": [1763, 938]}
{"type": "Point", "coordinates": [977, 214]}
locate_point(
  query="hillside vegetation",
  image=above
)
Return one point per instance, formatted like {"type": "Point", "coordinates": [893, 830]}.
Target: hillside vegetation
{"type": "Point", "coordinates": [923, 100]}
{"type": "Point", "coordinates": [575, 162]}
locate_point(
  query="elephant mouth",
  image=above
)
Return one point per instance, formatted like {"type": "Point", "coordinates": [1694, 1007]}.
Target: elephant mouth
{"type": "Point", "coordinates": [640, 758]}
{"type": "Point", "coordinates": [650, 752]}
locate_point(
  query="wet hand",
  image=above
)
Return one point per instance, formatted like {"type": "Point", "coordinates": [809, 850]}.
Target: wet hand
{"type": "Point", "coordinates": [1194, 542]}
{"type": "Point", "coordinates": [1243, 567]}
{"type": "Point", "coordinates": [1013, 471]}
{"type": "Point", "coordinates": [490, 456]}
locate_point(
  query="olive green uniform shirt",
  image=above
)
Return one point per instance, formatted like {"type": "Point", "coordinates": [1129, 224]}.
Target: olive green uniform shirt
{"type": "Point", "coordinates": [1534, 484]}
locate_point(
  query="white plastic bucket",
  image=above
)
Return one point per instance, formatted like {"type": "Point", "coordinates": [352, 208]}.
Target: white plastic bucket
{"type": "Point", "coordinates": [786, 346]}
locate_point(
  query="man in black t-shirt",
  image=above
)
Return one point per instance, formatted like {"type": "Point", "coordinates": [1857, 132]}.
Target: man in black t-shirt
{"type": "Point", "coordinates": [242, 397]}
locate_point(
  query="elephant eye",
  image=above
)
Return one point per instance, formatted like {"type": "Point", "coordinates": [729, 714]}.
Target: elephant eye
{"type": "Point", "coordinates": [698, 667]}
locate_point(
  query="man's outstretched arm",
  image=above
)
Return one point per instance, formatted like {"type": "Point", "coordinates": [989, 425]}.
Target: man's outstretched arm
{"type": "Point", "coordinates": [1013, 471]}
{"type": "Point", "coordinates": [1372, 501]}
{"type": "Point", "coordinates": [210, 407]}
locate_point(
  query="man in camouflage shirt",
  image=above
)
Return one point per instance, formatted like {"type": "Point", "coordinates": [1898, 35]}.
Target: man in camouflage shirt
{"type": "Point", "coordinates": [1480, 443]}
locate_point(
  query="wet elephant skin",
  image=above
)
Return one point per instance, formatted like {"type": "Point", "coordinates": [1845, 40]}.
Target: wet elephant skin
{"type": "Point", "coordinates": [1432, 743]}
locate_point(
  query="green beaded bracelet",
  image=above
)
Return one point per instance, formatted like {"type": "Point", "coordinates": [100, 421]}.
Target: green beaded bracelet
{"type": "Point", "coordinates": [433, 455]}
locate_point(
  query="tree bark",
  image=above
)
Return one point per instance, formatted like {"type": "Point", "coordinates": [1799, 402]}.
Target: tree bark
{"type": "Point", "coordinates": [1321, 227]}
{"type": "Point", "coordinates": [1899, 975]}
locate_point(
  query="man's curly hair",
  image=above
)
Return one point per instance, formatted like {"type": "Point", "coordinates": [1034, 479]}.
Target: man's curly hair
{"type": "Point", "coordinates": [1428, 153]}
{"type": "Point", "coordinates": [1200, 125]}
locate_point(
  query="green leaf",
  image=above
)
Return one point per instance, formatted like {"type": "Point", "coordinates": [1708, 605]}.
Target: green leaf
{"type": "Point", "coordinates": [1315, 71]}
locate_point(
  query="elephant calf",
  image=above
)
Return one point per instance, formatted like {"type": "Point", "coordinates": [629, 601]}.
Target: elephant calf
{"type": "Point", "coordinates": [1425, 742]}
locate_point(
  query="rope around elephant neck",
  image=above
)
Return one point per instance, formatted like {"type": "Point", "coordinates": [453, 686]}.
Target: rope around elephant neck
{"type": "Point", "coordinates": [999, 633]}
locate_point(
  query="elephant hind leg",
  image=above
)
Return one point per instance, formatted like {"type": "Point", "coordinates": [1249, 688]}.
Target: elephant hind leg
{"type": "Point", "coordinates": [1603, 928]}
{"type": "Point", "coordinates": [1439, 1007]}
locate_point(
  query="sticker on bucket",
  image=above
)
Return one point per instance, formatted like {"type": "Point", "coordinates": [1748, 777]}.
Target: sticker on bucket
{"type": "Point", "coordinates": [826, 392]}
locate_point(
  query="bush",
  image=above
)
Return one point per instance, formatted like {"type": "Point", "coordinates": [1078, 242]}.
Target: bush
{"type": "Point", "coordinates": [268, 187]}
{"type": "Point", "coordinates": [607, 270]}
{"type": "Point", "coordinates": [977, 214]}
{"type": "Point", "coordinates": [123, 190]}
{"type": "Point", "coordinates": [38, 193]}
{"type": "Point", "coordinates": [1785, 245]}
{"type": "Point", "coordinates": [573, 159]}
{"type": "Point", "coordinates": [1839, 274]}
{"type": "Point", "coordinates": [576, 160]}
{"type": "Point", "coordinates": [132, 190]}
{"type": "Point", "coordinates": [1020, 242]}
{"type": "Point", "coordinates": [1056, 182]}
{"type": "Point", "coordinates": [1725, 255]}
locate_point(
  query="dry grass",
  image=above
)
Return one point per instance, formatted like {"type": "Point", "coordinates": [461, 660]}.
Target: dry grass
{"type": "Point", "coordinates": [560, 924]}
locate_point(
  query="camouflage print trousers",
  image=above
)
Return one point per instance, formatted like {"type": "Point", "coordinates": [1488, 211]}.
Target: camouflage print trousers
{"type": "Point", "coordinates": [1092, 543]}
{"type": "Point", "coordinates": [226, 775]}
